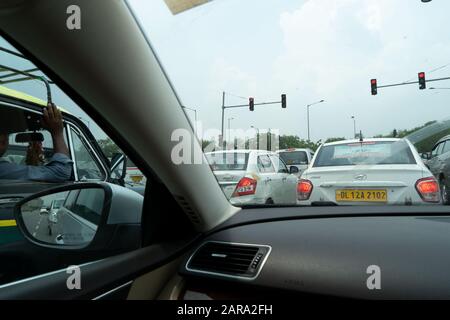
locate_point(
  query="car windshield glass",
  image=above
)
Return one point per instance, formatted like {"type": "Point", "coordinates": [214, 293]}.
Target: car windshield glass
{"type": "Point", "coordinates": [294, 157]}
{"type": "Point", "coordinates": [361, 153]}
{"type": "Point", "coordinates": [315, 75]}
{"type": "Point", "coordinates": [224, 161]}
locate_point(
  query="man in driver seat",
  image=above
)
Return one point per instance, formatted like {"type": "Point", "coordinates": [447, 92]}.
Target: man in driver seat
{"type": "Point", "coordinates": [59, 167]}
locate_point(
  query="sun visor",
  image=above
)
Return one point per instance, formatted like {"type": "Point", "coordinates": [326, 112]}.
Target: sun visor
{"type": "Point", "coordinates": [178, 6]}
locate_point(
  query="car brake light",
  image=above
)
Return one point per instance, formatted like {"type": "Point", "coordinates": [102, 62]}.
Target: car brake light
{"type": "Point", "coordinates": [246, 186]}
{"type": "Point", "coordinates": [304, 189]}
{"type": "Point", "coordinates": [428, 189]}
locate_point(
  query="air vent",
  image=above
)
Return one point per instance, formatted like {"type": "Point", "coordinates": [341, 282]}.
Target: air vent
{"type": "Point", "coordinates": [229, 259]}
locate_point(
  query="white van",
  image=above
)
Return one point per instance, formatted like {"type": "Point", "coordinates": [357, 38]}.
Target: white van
{"type": "Point", "coordinates": [295, 157]}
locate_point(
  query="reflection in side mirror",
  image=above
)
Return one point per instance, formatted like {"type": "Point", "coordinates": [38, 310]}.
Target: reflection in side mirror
{"type": "Point", "coordinates": [72, 219]}
{"type": "Point", "coordinates": [293, 169]}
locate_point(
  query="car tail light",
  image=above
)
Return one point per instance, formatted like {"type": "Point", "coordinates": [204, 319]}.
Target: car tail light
{"type": "Point", "coordinates": [304, 189]}
{"type": "Point", "coordinates": [428, 189]}
{"type": "Point", "coordinates": [246, 186]}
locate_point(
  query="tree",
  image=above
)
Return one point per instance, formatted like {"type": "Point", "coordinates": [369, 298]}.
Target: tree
{"type": "Point", "coordinates": [109, 147]}
{"type": "Point", "coordinates": [334, 139]}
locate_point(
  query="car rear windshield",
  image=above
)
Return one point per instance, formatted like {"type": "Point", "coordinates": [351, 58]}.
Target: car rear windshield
{"type": "Point", "coordinates": [359, 153]}
{"type": "Point", "coordinates": [294, 157]}
{"type": "Point", "coordinates": [224, 161]}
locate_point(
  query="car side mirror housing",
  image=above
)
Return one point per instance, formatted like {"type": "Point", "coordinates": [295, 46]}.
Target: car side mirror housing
{"type": "Point", "coordinates": [426, 155]}
{"type": "Point", "coordinates": [118, 168]}
{"type": "Point", "coordinates": [91, 217]}
{"type": "Point", "coordinates": [293, 170]}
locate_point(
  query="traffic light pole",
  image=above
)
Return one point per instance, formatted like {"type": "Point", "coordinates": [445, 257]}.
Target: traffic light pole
{"type": "Point", "coordinates": [414, 82]}
{"type": "Point", "coordinates": [238, 106]}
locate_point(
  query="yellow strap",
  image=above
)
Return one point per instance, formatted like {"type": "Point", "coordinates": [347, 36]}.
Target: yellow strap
{"type": "Point", "coordinates": [8, 223]}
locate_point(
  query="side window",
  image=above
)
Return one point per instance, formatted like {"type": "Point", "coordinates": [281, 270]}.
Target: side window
{"type": "Point", "coordinates": [265, 165]}
{"type": "Point", "coordinates": [446, 147]}
{"type": "Point", "coordinates": [279, 164]}
{"type": "Point", "coordinates": [70, 200]}
{"type": "Point", "coordinates": [436, 150]}
{"type": "Point", "coordinates": [89, 205]}
{"type": "Point", "coordinates": [87, 166]}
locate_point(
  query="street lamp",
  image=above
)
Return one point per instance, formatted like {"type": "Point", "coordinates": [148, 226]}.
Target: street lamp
{"type": "Point", "coordinates": [307, 107]}
{"type": "Point", "coordinates": [257, 136]}
{"type": "Point", "coordinates": [354, 126]}
{"type": "Point", "coordinates": [195, 112]}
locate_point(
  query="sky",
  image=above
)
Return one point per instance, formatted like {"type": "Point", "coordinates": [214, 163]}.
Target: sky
{"type": "Point", "coordinates": [309, 50]}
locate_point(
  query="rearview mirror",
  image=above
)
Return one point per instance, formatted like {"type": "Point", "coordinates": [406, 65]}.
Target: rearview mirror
{"type": "Point", "coordinates": [81, 216]}
{"type": "Point", "coordinates": [25, 137]}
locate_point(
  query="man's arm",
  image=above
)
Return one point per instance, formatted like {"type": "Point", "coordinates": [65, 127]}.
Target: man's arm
{"type": "Point", "coordinates": [54, 124]}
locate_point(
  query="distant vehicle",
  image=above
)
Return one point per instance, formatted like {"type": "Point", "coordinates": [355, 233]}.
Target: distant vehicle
{"type": "Point", "coordinates": [52, 217]}
{"type": "Point", "coordinates": [438, 160]}
{"type": "Point", "coordinates": [253, 177]}
{"type": "Point", "coordinates": [374, 171]}
{"type": "Point", "coordinates": [297, 157]}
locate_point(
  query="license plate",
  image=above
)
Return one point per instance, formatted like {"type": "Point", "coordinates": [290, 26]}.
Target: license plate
{"type": "Point", "coordinates": [359, 195]}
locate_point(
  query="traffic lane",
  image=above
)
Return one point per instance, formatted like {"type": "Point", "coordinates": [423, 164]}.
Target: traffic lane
{"type": "Point", "coordinates": [38, 226]}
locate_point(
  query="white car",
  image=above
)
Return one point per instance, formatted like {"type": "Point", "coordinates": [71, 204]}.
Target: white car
{"type": "Point", "coordinates": [373, 171]}
{"type": "Point", "coordinates": [250, 177]}
{"type": "Point", "coordinates": [296, 157]}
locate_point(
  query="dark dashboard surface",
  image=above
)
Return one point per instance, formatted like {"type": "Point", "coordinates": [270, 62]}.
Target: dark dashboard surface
{"type": "Point", "coordinates": [331, 255]}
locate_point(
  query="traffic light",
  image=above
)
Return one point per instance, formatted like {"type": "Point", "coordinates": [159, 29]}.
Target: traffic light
{"type": "Point", "coordinates": [251, 104]}
{"type": "Point", "coordinates": [422, 82]}
{"type": "Point", "coordinates": [373, 84]}
{"type": "Point", "coordinates": [283, 101]}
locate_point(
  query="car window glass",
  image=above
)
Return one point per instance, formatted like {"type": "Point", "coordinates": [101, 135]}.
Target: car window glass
{"type": "Point", "coordinates": [265, 165]}
{"type": "Point", "coordinates": [89, 205]}
{"type": "Point", "coordinates": [278, 163]}
{"type": "Point", "coordinates": [446, 147]}
{"type": "Point", "coordinates": [88, 168]}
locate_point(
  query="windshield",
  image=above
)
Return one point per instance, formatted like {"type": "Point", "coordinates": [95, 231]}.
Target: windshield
{"type": "Point", "coordinates": [361, 153]}
{"type": "Point", "coordinates": [294, 157]}
{"type": "Point", "coordinates": [225, 161]}
{"type": "Point", "coordinates": [275, 75]}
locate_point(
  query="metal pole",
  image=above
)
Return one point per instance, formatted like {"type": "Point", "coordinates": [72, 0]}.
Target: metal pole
{"type": "Point", "coordinates": [223, 115]}
{"type": "Point", "coordinates": [354, 126]}
{"type": "Point", "coordinates": [307, 107]}
{"type": "Point", "coordinates": [195, 115]}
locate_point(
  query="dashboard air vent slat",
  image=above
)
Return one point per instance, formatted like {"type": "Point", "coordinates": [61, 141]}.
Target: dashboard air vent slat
{"type": "Point", "coordinates": [228, 259]}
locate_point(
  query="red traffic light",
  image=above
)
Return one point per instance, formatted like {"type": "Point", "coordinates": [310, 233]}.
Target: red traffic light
{"type": "Point", "coordinates": [422, 81]}
{"type": "Point", "coordinates": [251, 104]}
{"type": "Point", "coordinates": [374, 86]}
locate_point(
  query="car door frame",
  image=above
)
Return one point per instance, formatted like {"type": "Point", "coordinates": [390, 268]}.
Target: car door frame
{"type": "Point", "coordinates": [288, 191]}
{"type": "Point", "coordinates": [270, 179]}
{"type": "Point", "coordinates": [70, 122]}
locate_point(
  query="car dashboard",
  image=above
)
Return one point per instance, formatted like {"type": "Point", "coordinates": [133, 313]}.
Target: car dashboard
{"type": "Point", "coordinates": [371, 256]}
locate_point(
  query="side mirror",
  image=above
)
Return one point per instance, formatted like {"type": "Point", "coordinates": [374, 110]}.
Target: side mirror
{"type": "Point", "coordinates": [93, 216]}
{"type": "Point", "coordinates": [426, 156]}
{"type": "Point", "coordinates": [118, 169]}
{"type": "Point", "coordinates": [293, 170]}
